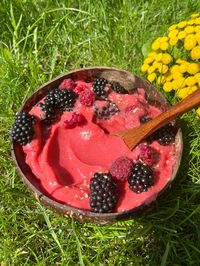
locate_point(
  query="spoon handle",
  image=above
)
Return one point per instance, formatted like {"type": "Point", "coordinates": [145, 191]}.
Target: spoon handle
{"type": "Point", "coordinates": [135, 135]}
{"type": "Point", "coordinates": [179, 108]}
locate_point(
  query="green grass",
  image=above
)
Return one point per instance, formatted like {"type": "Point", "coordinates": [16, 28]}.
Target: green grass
{"type": "Point", "coordinates": [41, 39]}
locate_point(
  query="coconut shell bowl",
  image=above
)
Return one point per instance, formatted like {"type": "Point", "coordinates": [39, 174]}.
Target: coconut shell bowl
{"type": "Point", "coordinates": [129, 81]}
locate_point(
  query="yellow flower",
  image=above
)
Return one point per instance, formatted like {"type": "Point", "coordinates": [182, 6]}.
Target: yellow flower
{"type": "Point", "coordinates": [164, 46]}
{"type": "Point", "coordinates": [151, 77]}
{"type": "Point", "coordinates": [173, 33]}
{"type": "Point", "coordinates": [197, 77]}
{"type": "Point", "coordinates": [191, 22]}
{"type": "Point", "coordinates": [165, 68]}
{"type": "Point", "coordinates": [144, 67]}
{"type": "Point", "coordinates": [182, 24]}
{"type": "Point", "coordinates": [197, 21]}
{"type": "Point", "coordinates": [193, 68]}
{"type": "Point", "coordinates": [159, 57]}
{"type": "Point", "coordinates": [155, 45]}
{"type": "Point", "coordinates": [194, 15]}
{"type": "Point", "coordinates": [195, 53]}
{"type": "Point", "coordinates": [177, 75]}
{"type": "Point", "coordinates": [151, 69]}
{"type": "Point", "coordinates": [197, 37]}
{"type": "Point", "coordinates": [152, 54]}
{"type": "Point", "coordinates": [168, 76]}
{"type": "Point", "coordinates": [183, 67]}
{"type": "Point", "coordinates": [180, 61]}
{"type": "Point", "coordinates": [190, 81]}
{"type": "Point", "coordinates": [197, 29]}
{"type": "Point", "coordinates": [160, 79]}
{"type": "Point", "coordinates": [179, 83]}
{"type": "Point", "coordinates": [155, 64]}
{"type": "Point", "coordinates": [172, 27]}
{"type": "Point", "coordinates": [148, 60]}
{"type": "Point", "coordinates": [189, 29]}
{"type": "Point", "coordinates": [192, 89]}
{"type": "Point", "coordinates": [190, 42]}
{"type": "Point", "coordinates": [166, 58]}
{"type": "Point", "coordinates": [164, 39]}
{"type": "Point", "coordinates": [167, 86]}
{"type": "Point", "coordinates": [198, 111]}
{"type": "Point", "coordinates": [175, 68]}
{"type": "Point", "coordinates": [173, 41]}
{"type": "Point", "coordinates": [182, 93]}
{"type": "Point", "coordinates": [181, 35]}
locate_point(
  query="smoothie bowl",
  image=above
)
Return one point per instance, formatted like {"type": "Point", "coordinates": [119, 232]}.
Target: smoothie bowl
{"type": "Point", "coordinates": [64, 151]}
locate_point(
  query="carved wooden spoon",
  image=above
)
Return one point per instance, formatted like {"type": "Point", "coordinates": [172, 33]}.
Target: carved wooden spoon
{"type": "Point", "coordinates": [134, 136]}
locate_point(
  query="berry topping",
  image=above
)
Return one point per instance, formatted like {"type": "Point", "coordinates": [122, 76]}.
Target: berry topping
{"type": "Point", "coordinates": [119, 89]}
{"type": "Point", "coordinates": [99, 86]}
{"type": "Point", "coordinates": [103, 197]}
{"type": "Point", "coordinates": [121, 168]}
{"type": "Point", "coordinates": [141, 178]}
{"type": "Point", "coordinates": [67, 84]}
{"type": "Point", "coordinates": [66, 99]}
{"type": "Point", "coordinates": [56, 102]}
{"type": "Point", "coordinates": [104, 109]}
{"type": "Point", "coordinates": [23, 128]}
{"type": "Point", "coordinates": [76, 120]}
{"type": "Point", "coordinates": [87, 97]}
{"type": "Point", "coordinates": [144, 119]}
{"type": "Point", "coordinates": [147, 154]}
{"type": "Point", "coordinates": [164, 135]}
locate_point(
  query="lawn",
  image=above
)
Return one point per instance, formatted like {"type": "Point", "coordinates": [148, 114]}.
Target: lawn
{"type": "Point", "coordinates": [41, 39]}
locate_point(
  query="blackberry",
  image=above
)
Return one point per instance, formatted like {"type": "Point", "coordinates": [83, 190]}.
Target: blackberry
{"type": "Point", "coordinates": [119, 89]}
{"type": "Point", "coordinates": [105, 109]}
{"type": "Point", "coordinates": [103, 197]}
{"type": "Point", "coordinates": [56, 102]}
{"type": "Point", "coordinates": [144, 119]}
{"type": "Point", "coordinates": [23, 128]}
{"type": "Point", "coordinates": [66, 99]}
{"type": "Point", "coordinates": [164, 135]}
{"type": "Point", "coordinates": [141, 178]}
{"type": "Point", "coordinates": [99, 86]}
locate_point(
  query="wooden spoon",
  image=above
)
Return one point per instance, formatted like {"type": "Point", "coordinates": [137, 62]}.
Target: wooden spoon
{"type": "Point", "coordinates": [134, 136]}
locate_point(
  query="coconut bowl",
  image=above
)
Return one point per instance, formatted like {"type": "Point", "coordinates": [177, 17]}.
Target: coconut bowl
{"type": "Point", "coordinates": [129, 81]}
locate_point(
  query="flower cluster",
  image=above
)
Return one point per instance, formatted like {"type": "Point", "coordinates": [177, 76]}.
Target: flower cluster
{"type": "Point", "coordinates": [173, 61]}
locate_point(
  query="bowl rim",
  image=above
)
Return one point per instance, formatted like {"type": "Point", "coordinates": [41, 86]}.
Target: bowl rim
{"type": "Point", "coordinates": [81, 214]}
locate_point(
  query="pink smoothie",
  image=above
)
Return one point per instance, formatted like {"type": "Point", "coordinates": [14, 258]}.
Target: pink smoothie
{"type": "Point", "coordinates": [65, 158]}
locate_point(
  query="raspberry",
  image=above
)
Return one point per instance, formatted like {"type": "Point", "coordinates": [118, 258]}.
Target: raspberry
{"type": "Point", "coordinates": [147, 154]}
{"type": "Point", "coordinates": [76, 120]}
{"type": "Point", "coordinates": [121, 168]}
{"type": "Point", "coordinates": [67, 84]}
{"type": "Point", "coordinates": [87, 97]}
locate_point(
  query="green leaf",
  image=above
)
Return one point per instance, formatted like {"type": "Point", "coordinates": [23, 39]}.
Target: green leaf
{"type": "Point", "coordinates": [146, 48]}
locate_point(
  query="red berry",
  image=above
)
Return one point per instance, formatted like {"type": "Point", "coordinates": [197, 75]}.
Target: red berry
{"type": "Point", "coordinates": [67, 84]}
{"type": "Point", "coordinates": [76, 120]}
{"type": "Point", "coordinates": [121, 168]}
{"type": "Point", "coordinates": [147, 154]}
{"type": "Point", "coordinates": [87, 97]}
{"type": "Point", "coordinates": [79, 88]}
